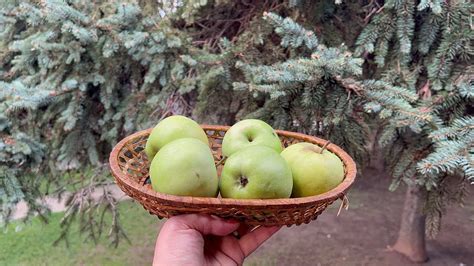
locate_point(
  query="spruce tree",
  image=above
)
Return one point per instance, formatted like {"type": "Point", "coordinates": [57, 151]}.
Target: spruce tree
{"type": "Point", "coordinates": [75, 78]}
{"type": "Point", "coordinates": [425, 47]}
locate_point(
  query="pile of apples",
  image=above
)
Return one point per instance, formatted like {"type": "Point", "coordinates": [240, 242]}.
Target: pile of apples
{"type": "Point", "coordinates": [256, 166]}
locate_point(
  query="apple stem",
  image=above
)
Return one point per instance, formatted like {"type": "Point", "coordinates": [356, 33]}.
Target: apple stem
{"type": "Point", "coordinates": [222, 161]}
{"type": "Point", "coordinates": [324, 146]}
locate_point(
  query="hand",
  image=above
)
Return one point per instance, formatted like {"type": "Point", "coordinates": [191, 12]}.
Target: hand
{"type": "Point", "coordinates": [194, 239]}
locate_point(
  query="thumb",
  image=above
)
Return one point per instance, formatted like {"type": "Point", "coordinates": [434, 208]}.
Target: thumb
{"type": "Point", "coordinates": [205, 224]}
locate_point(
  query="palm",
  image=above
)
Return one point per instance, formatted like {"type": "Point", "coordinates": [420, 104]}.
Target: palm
{"type": "Point", "coordinates": [205, 240]}
{"type": "Point", "coordinates": [222, 250]}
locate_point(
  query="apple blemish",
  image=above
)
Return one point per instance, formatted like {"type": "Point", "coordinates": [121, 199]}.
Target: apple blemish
{"type": "Point", "coordinates": [243, 181]}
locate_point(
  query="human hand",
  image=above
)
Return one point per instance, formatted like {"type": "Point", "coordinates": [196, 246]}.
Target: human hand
{"type": "Point", "coordinates": [195, 239]}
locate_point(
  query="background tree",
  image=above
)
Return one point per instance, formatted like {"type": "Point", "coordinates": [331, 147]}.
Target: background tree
{"type": "Point", "coordinates": [77, 77]}
{"type": "Point", "coordinates": [425, 47]}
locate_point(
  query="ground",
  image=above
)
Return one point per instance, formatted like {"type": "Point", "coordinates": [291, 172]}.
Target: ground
{"type": "Point", "coordinates": [362, 234]}
{"type": "Point", "coordinates": [358, 236]}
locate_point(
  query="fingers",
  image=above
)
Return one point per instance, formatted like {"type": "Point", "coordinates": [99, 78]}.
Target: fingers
{"type": "Point", "coordinates": [251, 241]}
{"type": "Point", "coordinates": [205, 224]}
{"type": "Point", "coordinates": [243, 230]}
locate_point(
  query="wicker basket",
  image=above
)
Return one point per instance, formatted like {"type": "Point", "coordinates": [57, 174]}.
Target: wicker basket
{"type": "Point", "coordinates": [129, 166]}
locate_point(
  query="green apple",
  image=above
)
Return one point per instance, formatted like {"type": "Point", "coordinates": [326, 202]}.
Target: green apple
{"type": "Point", "coordinates": [185, 167]}
{"type": "Point", "coordinates": [250, 132]}
{"type": "Point", "coordinates": [315, 170]}
{"type": "Point", "coordinates": [256, 172]}
{"type": "Point", "coordinates": [172, 128]}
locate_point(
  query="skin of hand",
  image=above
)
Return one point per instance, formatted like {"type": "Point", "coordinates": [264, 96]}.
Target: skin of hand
{"type": "Point", "coordinates": [195, 239]}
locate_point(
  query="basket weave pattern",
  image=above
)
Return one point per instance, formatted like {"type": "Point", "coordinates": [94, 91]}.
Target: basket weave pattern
{"type": "Point", "coordinates": [129, 166]}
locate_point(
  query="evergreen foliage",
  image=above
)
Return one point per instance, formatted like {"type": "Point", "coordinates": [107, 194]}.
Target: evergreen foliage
{"type": "Point", "coordinates": [75, 77]}
{"type": "Point", "coordinates": [426, 48]}
{"type": "Point", "coordinates": [18, 153]}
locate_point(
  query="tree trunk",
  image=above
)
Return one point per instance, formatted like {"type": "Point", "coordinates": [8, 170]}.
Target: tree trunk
{"type": "Point", "coordinates": [411, 237]}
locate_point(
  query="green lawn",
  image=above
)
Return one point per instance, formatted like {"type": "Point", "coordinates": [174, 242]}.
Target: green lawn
{"type": "Point", "coordinates": [32, 245]}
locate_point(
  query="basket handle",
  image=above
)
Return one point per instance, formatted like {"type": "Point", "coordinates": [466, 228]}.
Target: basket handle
{"type": "Point", "coordinates": [344, 203]}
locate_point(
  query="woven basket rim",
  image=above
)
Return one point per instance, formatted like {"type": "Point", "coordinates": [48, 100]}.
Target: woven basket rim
{"type": "Point", "coordinates": [337, 192]}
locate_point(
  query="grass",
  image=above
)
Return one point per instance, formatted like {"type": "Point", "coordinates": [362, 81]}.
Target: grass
{"type": "Point", "coordinates": [32, 245]}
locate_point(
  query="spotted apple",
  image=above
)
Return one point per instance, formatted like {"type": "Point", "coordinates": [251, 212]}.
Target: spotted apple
{"type": "Point", "coordinates": [315, 170]}
{"type": "Point", "coordinates": [170, 129]}
{"type": "Point", "coordinates": [250, 132]}
{"type": "Point", "coordinates": [256, 172]}
{"type": "Point", "coordinates": [185, 167]}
